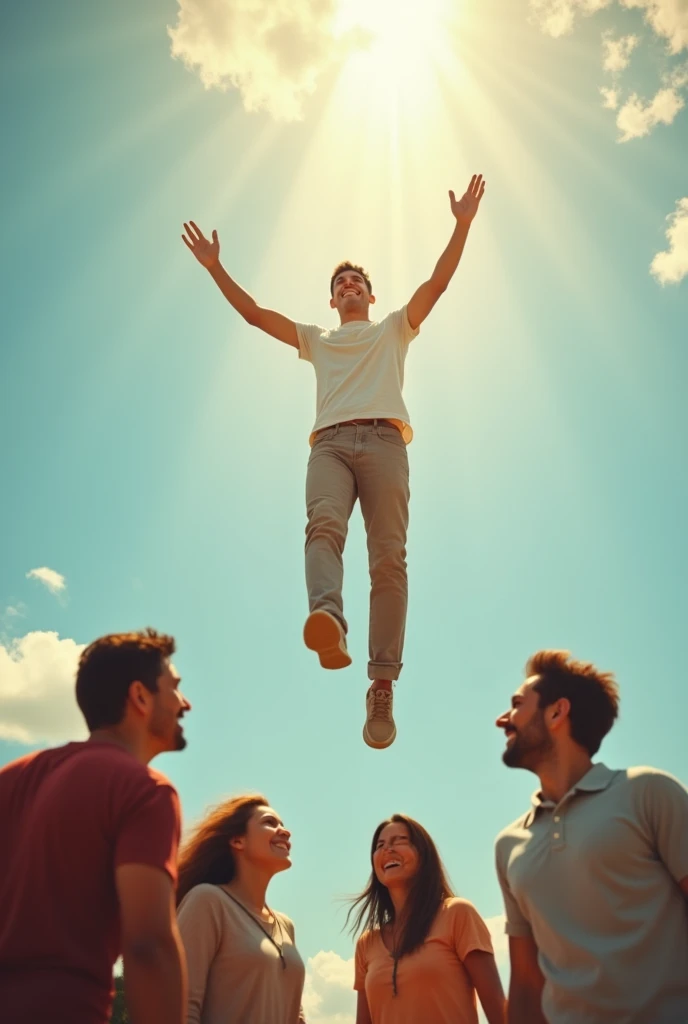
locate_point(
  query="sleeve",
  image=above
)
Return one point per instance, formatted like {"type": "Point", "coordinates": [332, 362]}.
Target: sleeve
{"type": "Point", "coordinates": [148, 832]}
{"type": "Point", "coordinates": [469, 931]}
{"type": "Point", "coordinates": [517, 925]}
{"type": "Point", "coordinates": [200, 927]}
{"type": "Point", "coordinates": [403, 327]}
{"type": "Point", "coordinates": [665, 808]}
{"type": "Point", "coordinates": [308, 335]}
{"type": "Point", "coordinates": [360, 964]}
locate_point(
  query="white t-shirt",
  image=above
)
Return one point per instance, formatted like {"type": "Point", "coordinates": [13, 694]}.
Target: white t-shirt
{"type": "Point", "coordinates": [359, 369]}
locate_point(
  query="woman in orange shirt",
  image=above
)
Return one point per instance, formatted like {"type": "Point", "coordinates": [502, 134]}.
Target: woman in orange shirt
{"type": "Point", "coordinates": [424, 952]}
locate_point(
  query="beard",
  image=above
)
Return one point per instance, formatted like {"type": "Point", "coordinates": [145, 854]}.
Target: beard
{"type": "Point", "coordinates": [529, 746]}
{"type": "Point", "coordinates": [161, 727]}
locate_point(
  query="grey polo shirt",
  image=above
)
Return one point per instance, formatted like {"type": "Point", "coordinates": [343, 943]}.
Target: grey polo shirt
{"type": "Point", "coordinates": [595, 881]}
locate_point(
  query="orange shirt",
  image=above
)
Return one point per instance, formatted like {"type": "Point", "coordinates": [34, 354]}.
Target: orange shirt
{"type": "Point", "coordinates": [433, 986]}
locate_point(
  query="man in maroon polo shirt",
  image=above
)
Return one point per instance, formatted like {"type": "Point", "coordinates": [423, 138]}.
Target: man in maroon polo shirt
{"type": "Point", "coordinates": [88, 850]}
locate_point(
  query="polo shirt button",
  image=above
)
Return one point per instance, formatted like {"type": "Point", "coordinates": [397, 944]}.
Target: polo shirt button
{"type": "Point", "coordinates": [557, 818]}
{"type": "Point", "coordinates": [556, 835]}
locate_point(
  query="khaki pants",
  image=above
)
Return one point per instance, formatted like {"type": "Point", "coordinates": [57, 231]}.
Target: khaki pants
{"type": "Point", "coordinates": [368, 462]}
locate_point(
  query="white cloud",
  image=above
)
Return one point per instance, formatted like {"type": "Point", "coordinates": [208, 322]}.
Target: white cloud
{"type": "Point", "coordinates": [557, 17]}
{"type": "Point", "coordinates": [54, 581]}
{"type": "Point", "coordinates": [272, 51]}
{"type": "Point", "coordinates": [636, 118]}
{"type": "Point", "coordinates": [617, 52]}
{"type": "Point", "coordinates": [668, 18]}
{"type": "Point", "coordinates": [671, 266]}
{"type": "Point", "coordinates": [610, 98]}
{"type": "Point", "coordinates": [37, 704]}
{"type": "Point", "coordinates": [328, 996]}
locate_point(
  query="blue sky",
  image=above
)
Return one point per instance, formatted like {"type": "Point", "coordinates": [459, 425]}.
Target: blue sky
{"type": "Point", "coordinates": [155, 447]}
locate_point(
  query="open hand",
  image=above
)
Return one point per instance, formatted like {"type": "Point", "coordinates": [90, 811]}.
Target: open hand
{"type": "Point", "coordinates": [465, 208]}
{"type": "Point", "coordinates": [206, 252]}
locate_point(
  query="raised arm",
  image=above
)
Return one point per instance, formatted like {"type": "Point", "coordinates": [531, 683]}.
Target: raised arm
{"type": "Point", "coordinates": [207, 252]}
{"type": "Point", "coordinates": [464, 210]}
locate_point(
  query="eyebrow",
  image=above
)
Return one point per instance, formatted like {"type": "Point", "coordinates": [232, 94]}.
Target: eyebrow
{"type": "Point", "coordinates": [353, 272]}
{"type": "Point", "coordinates": [397, 835]}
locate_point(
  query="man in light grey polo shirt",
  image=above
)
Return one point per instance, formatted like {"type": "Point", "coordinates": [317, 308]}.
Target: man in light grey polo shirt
{"type": "Point", "coordinates": [595, 874]}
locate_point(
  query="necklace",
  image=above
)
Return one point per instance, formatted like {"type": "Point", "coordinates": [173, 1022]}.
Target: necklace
{"type": "Point", "coordinates": [266, 933]}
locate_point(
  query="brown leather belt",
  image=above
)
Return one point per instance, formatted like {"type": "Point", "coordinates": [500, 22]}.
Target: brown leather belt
{"type": "Point", "coordinates": [351, 423]}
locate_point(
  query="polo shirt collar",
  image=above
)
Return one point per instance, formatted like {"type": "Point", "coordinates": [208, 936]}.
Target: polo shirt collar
{"type": "Point", "coordinates": [594, 781]}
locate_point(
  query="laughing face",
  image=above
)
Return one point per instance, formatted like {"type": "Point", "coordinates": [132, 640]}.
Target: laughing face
{"type": "Point", "coordinates": [267, 843]}
{"type": "Point", "coordinates": [350, 295]}
{"type": "Point", "coordinates": [395, 858]}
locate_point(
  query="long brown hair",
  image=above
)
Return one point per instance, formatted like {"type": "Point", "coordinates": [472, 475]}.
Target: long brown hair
{"type": "Point", "coordinates": [429, 888]}
{"type": "Point", "coordinates": [207, 856]}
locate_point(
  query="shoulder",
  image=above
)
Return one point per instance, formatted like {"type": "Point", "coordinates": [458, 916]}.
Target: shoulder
{"type": "Point", "coordinates": [286, 924]}
{"type": "Point", "coordinates": [311, 330]}
{"type": "Point", "coordinates": [645, 783]}
{"type": "Point", "coordinates": [456, 909]}
{"type": "Point", "coordinates": [365, 940]}
{"type": "Point", "coordinates": [510, 832]}
{"type": "Point", "coordinates": [202, 897]}
{"type": "Point", "coordinates": [458, 905]}
{"type": "Point", "coordinates": [644, 775]}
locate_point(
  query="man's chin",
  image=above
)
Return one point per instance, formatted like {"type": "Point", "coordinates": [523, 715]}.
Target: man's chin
{"type": "Point", "coordinates": [179, 740]}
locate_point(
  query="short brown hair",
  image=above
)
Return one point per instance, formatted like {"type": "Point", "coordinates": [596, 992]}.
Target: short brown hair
{"type": "Point", "coordinates": [346, 265]}
{"type": "Point", "coordinates": [593, 695]}
{"type": "Point", "coordinates": [109, 666]}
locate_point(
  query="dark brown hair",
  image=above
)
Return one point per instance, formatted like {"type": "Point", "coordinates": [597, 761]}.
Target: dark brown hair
{"type": "Point", "coordinates": [593, 695]}
{"type": "Point", "coordinates": [346, 265]}
{"type": "Point", "coordinates": [109, 666]}
{"type": "Point", "coordinates": [207, 856]}
{"type": "Point", "coordinates": [429, 888]}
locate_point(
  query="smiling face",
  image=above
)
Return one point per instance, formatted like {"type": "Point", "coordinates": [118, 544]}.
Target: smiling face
{"type": "Point", "coordinates": [395, 858]}
{"type": "Point", "coordinates": [528, 739]}
{"type": "Point", "coordinates": [266, 843]}
{"type": "Point", "coordinates": [350, 295]}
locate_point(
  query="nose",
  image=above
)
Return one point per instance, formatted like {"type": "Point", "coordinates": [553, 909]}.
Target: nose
{"type": "Point", "coordinates": [285, 832]}
{"type": "Point", "coordinates": [186, 704]}
{"type": "Point", "coordinates": [503, 720]}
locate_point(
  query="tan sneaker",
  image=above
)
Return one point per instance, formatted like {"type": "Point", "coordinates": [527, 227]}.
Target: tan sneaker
{"type": "Point", "coordinates": [323, 634]}
{"type": "Point", "coordinates": [379, 730]}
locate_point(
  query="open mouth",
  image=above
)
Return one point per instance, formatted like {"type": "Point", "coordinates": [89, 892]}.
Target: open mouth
{"type": "Point", "coordinates": [392, 864]}
{"type": "Point", "coordinates": [349, 291]}
{"type": "Point", "coordinates": [282, 844]}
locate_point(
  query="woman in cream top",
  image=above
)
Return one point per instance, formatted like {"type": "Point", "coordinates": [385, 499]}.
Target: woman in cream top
{"type": "Point", "coordinates": [243, 965]}
{"type": "Point", "coordinates": [424, 953]}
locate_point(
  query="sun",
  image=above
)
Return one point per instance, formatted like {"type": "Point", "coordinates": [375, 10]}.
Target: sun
{"type": "Point", "coordinates": [393, 42]}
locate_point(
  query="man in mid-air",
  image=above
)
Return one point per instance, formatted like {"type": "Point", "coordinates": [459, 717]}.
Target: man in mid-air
{"type": "Point", "coordinates": [358, 449]}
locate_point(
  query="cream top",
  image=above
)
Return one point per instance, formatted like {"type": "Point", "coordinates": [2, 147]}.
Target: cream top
{"type": "Point", "coordinates": [235, 973]}
{"type": "Point", "coordinates": [359, 370]}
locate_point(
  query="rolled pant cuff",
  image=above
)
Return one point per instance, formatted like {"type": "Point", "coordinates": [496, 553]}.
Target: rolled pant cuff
{"type": "Point", "coordinates": [384, 669]}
